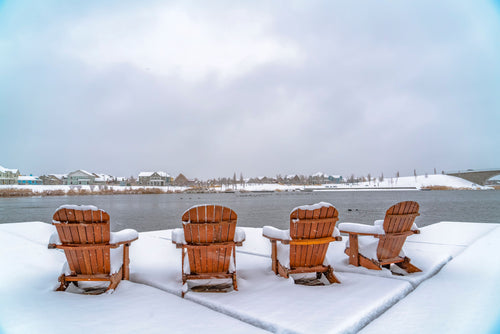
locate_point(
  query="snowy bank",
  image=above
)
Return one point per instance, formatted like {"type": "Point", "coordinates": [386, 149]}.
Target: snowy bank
{"type": "Point", "coordinates": [401, 183]}
{"type": "Point", "coordinates": [460, 253]}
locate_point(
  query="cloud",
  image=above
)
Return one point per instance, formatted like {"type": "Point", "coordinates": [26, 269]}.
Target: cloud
{"type": "Point", "coordinates": [260, 88]}
{"type": "Point", "coordinates": [173, 41]}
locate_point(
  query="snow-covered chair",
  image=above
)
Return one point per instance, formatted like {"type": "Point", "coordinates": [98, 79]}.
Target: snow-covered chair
{"type": "Point", "coordinates": [93, 253]}
{"type": "Point", "coordinates": [302, 248]}
{"type": "Point", "coordinates": [381, 245]}
{"type": "Point", "coordinates": [208, 240]}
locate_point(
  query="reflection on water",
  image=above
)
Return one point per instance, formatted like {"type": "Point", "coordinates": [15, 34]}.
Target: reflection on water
{"type": "Point", "coordinates": [154, 212]}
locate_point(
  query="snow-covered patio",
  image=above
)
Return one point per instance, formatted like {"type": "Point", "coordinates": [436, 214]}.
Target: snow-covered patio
{"type": "Point", "coordinates": [456, 292]}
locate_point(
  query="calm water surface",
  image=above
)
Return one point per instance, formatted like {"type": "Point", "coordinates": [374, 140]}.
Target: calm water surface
{"type": "Point", "coordinates": [155, 212]}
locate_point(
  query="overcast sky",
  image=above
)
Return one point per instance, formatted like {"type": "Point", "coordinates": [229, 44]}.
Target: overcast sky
{"type": "Point", "coordinates": [209, 88]}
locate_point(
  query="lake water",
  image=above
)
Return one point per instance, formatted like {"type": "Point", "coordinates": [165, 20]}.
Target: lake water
{"type": "Point", "coordinates": [157, 212]}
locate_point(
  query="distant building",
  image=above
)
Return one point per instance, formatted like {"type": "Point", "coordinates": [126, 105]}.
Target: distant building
{"type": "Point", "coordinates": [104, 179]}
{"type": "Point", "coordinates": [122, 181]}
{"type": "Point", "coordinates": [24, 180]}
{"type": "Point", "coordinates": [181, 180]}
{"type": "Point", "coordinates": [80, 177]}
{"type": "Point", "coordinates": [154, 179]}
{"type": "Point", "coordinates": [9, 176]}
{"type": "Point", "coordinates": [54, 179]}
{"type": "Point", "coordinates": [325, 178]}
{"type": "Point", "coordinates": [335, 178]}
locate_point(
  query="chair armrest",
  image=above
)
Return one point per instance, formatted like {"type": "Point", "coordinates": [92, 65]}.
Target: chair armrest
{"type": "Point", "coordinates": [123, 237]}
{"type": "Point", "coordinates": [178, 237]}
{"type": "Point", "coordinates": [273, 233]}
{"type": "Point", "coordinates": [54, 240]}
{"type": "Point", "coordinates": [124, 242]}
{"type": "Point", "coordinates": [361, 229]}
{"type": "Point", "coordinates": [239, 236]}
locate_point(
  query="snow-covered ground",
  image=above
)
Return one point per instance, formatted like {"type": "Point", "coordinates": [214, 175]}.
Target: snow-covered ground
{"type": "Point", "coordinates": [457, 291]}
{"type": "Point", "coordinates": [406, 182]}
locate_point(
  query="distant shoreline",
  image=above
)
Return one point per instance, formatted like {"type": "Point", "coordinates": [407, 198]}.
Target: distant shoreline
{"type": "Point", "coordinates": [64, 190]}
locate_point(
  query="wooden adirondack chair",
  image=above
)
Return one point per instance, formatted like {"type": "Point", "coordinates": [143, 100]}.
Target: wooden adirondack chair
{"type": "Point", "coordinates": [84, 235]}
{"type": "Point", "coordinates": [208, 239]}
{"type": "Point", "coordinates": [312, 228]}
{"type": "Point", "coordinates": [397, 225]}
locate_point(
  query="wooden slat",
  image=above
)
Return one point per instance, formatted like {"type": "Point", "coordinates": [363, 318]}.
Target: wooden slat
{"type": "Point", "coordinates": [211, 213]}
{"type": "Point", "coordinates": [73, 262]}
{"type": "Point", "coordinates": [195, 235]}
{"type": "Point", "coordinates": [217, 213]}
{"type": "Point", "coordinates": [107, 262]}
{"type": "Point", "coordinates": [87, 216]}
{"type": "Point", "coordinates": [100, 260]}
{"type": "Point", "coordinates": [105, 233]}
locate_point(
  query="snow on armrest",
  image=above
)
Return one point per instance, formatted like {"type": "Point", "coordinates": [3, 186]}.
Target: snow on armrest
{"type": "Point", "coordinates": [178, 236]}
{"type": "Point", "coordinates": [122, 236]}
{"type": "Point", "coordinates": [414, 227]}
{"type": "Point", "coordinates": [54, 240]}
{"type": "Point", "coordinates": [276, 233]}
{"type": "Point", "coordinates": [239, 235]}
{"type": "Point", "coordinates": [336, 232]}
{"type": "Point", "coordinates": [360, 228]}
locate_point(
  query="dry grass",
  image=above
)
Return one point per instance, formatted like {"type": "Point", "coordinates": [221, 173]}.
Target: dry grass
{"type": "Point", "coordinates": [16, 192]}
{"type": "Point", "coordinates": [81, 192]}
{"type": "Point", "coordinates": [442, 188]}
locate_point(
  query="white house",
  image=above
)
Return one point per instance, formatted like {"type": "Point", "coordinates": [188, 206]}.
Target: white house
{"type": "Point", "coordinates": [81, 177]}
{"type": "Point", "coordinates": [8, 176]}
{"type": "Point", "coordinates": [154, 178]}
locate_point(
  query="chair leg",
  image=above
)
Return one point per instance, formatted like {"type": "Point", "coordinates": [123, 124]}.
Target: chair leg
{"type": "Point", "coordinates": [184, 281]}
{"type": "Point", "coordinates": [282, 271]}
{"type": "Point", "coordinates": [235, 283]}
{"type": "Point", "coordinates": [368, 263]}
{"type": "Point", "coordinates": [407, 266]}
{"type": "Point", "coordinates": [115, 279]}
{"type": "Point", "coordinates": [63, 283]}
{"type": "Point", "coordinates": [126, 262]}
{"type": "Point", "coordinates": [274, 257]}
{"type": "Point", "coordinates": [330, 276]}
{"type": "Point", "coordinates": [353, 250]}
